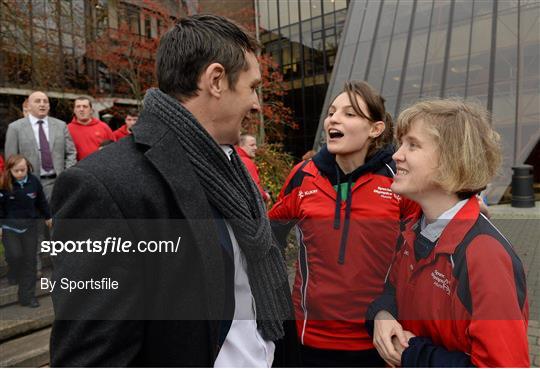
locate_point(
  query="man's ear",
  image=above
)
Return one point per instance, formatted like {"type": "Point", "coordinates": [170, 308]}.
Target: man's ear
{"type": "Point", "coordinates": [214, 79]}
{"type": "Point", "coordinates": [377, 128]}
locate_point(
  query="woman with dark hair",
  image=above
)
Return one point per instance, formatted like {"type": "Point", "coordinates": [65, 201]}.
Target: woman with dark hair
{"type": "Point", "coordinates": [347, 221]}
{"type": "Point", "coordinates": [22, 202]}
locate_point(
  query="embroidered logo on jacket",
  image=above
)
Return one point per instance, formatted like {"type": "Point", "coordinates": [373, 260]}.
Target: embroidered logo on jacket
{"type": "Point", "coordinates": [384, 192]}
{"type": "Point", "coordinates": [302, 194]}
{"type": "Point", "coordinates": [440, 281]}
{"type": "Point", "coordinates": [32, 195]}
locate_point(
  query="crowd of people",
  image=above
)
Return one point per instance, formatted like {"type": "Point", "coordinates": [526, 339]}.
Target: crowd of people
{"type": "Point", "coordinates": [396, 266]}
{"type": "Point", "coordinates": [38, 148]}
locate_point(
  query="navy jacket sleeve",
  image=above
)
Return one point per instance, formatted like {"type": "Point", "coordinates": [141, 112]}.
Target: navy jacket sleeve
{"type": "Point", "coordinates": [386, 301]}
{"type": "Point", "coordinates": [41, 201]}
{"type": "Point", "coordinates": [423, 353]}
{"type": "Point", "coordinates": [281, 231]}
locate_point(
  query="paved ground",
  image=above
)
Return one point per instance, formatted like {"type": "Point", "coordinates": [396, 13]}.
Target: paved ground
{"type": "Point", "coordinates": [522, 228]}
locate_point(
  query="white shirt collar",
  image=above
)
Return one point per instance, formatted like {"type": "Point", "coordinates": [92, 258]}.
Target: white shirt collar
{"type": "Point", "coordinates": [434, 230]}
{"type": "Point", "coordinates": [227, 149]}
{"type": "Point", "coordinates": [34, 120]}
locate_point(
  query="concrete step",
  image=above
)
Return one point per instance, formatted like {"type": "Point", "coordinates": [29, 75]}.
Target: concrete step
{"type": "Point", "coordinates": [30, 351]}
{"type": "Point", "coordinates": [45, 263]}
{"type": "Point", "coordinates": [8, 294]}
{"type": "Point", "coordinates": [16, 320]}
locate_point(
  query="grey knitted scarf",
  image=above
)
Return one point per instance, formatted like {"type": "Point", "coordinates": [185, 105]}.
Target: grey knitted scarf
{"type": "Point", "coordinates": [229, 187]}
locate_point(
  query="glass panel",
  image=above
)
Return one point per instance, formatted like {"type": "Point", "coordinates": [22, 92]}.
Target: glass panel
{"type": "Point", "coordinates": [462, 10]}
{"type": "Point", "coordinates": [529, 87]}
{"type": "Point", "coordinates": [459, 48]}
{"type": "Point", "coordinates": [316, 8]}
{"type": "Point", "coordinates": [395, 64]}
{"type": "Point", "coordinates": [397, 49]}
{"type": "Point", "coordinates": [305, 9]}
{"type": "Point", "coordinates": [272, 15]}
{"type": "Point", "coordinates": [328, 6]}
{"type": "Point", "coordinates": [504, 96]}
{"type": "Point", "coordinates": [293, 11]}
{"type": "Point", "coordinates": [378, 59]}
{"type": "Point", "coordinates": [417, 53]}
{"type": "Point", "coordinates": [295, 35]}
{"type": "Point", "coordinates": [283, 13]}
{"type": "Point", "coordinates": [432, 74]}
{"type": "Point", "coordinates": [340, 4]}
{"type": "Point", "coordinates": [263, 13]}
{"type": "Point", "coordinates": [388, 18]}
{"type": "Point", "coordinates": [404, 16]}
{"type": "Point", "coordinates": [286, 52]}
{"type": "Point", "coordinates": [477, 83]}
{"type": "Point", "coordinates": [483, 7]}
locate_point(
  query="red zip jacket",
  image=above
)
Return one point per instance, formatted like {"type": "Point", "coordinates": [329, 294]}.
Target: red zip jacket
{"type": "Point", "coordinates": [87, 137]}
{"type": "Point", "coordinates": [345, 246]}
{"type": "Point", "coordinates": [121, 132]}
{"type": "Point", "coordinates": [468, 294]}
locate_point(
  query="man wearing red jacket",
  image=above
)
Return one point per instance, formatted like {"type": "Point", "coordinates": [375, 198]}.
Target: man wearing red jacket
{"type": "Point", "coordinates": [87, 132]}
{"type": "Point", "coordinates": [125, 130]}
{"type": "Point", "coordinates": [246, 150]}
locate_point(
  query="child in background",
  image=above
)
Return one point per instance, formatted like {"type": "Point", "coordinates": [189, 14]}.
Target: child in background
{"type": "Point", "coordinates": [22, 202]}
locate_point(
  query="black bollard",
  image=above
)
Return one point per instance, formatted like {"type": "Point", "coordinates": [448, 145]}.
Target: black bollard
{"type": "Point", "coordinates": [522, 186]}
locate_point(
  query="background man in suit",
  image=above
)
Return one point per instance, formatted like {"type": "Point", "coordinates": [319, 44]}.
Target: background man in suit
{"type": "Point", "coordinates": [222, 298]}
{"type": "Point", "coordinates": [44, 140]}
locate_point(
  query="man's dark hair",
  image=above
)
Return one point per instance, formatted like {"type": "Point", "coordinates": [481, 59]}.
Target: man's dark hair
{"type": "Point", "coordinates": [192, 45]}
{"type": "Point", "coordinates": [132, 113]}
{"type": "Point", "coordinates": [82, 98]}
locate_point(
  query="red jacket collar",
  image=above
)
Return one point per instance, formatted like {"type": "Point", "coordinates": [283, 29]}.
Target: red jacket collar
{"type": "Point", "coordinates": [124, 129]}
{"type": "Point", "coordinates": [324, 184]}
{"type": "Point", "coordinates": [458, 227]}
{"type": "Point", "coordinates": [454, 232]}
{"type": "Point", "coordinates": [242, 153]}
{"type": "Point", "coordinates": [92, 122]}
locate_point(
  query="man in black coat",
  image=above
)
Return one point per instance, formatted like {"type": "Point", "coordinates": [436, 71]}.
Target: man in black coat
{"type": "Point", "coordinates": [176, 180]}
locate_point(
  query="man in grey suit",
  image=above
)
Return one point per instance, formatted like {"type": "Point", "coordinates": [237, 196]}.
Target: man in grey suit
{"type": "Point", "coordinates": [45, 141]}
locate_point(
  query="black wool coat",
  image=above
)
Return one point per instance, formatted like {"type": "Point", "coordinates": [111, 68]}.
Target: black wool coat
{"type": "Point", "coordinates": [168, 305]}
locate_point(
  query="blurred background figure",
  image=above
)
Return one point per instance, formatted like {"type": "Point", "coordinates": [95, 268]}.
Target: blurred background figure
{"type": "Point", "coordinates": [125, 130]}
{"type": "Point", "coordinates": [25, 108]}
{"type": "Point", "coordinates": [308, 155]}
{"type": "Point", "coordinates": [87, 131]}
{"type": "Point", "coordinates": [247, 150]}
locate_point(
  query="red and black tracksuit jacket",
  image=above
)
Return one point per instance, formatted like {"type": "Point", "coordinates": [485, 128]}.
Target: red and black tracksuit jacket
{"type": "Point", "coordinates": [347, 227]}
{"type": "Point", "coordinates": [464, 296]}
